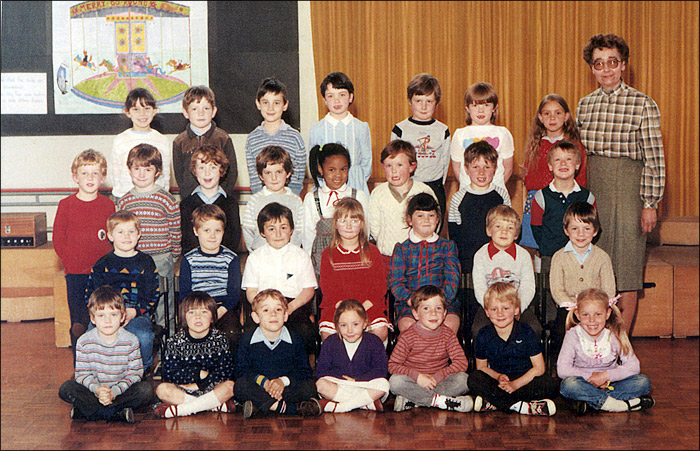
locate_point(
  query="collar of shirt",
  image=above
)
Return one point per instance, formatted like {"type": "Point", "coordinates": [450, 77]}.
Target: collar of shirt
{"type": "Point", "coordinates": [581, 258]}
{"type": "Point", "coordinates": [344, 251]}
{"type": "Point", "coordinates": [555, 139]}
{"type": "Point", "coordinates": [330, 193]}
{"type": "Point", "coordinates": [209, 200]}
{"type": "Point", "coordinates": [479, 193]}
{"type": "Point", "coordinates": [267, 192]}
{"type": "Point", "coordinates": [259, 337]}
{"type": "Point", "coordinates": [615, 91]}
{"type": "Point", "coordinates": [135, 193]}
{"type": "Point", "coordinates": [277, 252]}
{"type": "Point", "coordinates": [417, 122]}
{"type": "Point", "coordinates": [510, 250]}
{"type": "Point", "coordinates": [283, 126]}
{"type": "Point", "coordinates": [398, 196]}
{"type": "Point", "coordinates": [554, 190]}
{"type": "Point", "coordinates": [191, 133]}
{"type": "Point", "coordinates": [414, 238]}
{"type": "Point", "coordinates": [333, 121]}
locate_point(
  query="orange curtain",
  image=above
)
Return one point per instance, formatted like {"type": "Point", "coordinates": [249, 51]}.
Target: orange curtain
{"type": "Point", "coordinates": [525, 50]}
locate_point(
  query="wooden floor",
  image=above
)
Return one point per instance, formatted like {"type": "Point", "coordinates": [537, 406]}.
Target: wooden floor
{"type": "Point", "coordinates": [33, 417]}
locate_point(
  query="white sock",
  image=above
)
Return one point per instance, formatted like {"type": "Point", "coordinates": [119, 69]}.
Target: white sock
{"type": "Point", "coordinates": [189, 398]}
{"type": "Point", "coordinates": [207, 401]}
{"type": "Point", "coordinates": [343, 394]}
{"type": "Point", "coordinates": [615, 405]}
{"type": "Point", "coordinates": [386, 343]}
{"type": "Point", "coordinates": [361, 398]}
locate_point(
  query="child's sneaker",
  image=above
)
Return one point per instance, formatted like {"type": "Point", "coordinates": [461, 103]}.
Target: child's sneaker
{"type": "Point", "coordinates": [126, 415]}
{"type": "Point", "coordinates": [462, 404]}
{"type": "Point", "coordinates": [481, 405]}
{"type": "Point", "coordinates": [401, 404]}
{"type": "Point", "coordinates": [543, 407]}
{"type": "Point", "coordinates": [310, 408]}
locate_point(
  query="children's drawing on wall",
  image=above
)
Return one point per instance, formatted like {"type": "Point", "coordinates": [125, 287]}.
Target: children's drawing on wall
{"type": "Point", "coordinates": [103, 49]}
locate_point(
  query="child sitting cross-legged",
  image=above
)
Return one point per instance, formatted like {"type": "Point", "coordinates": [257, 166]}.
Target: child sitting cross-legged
{"type": "Point", "coordinates": [428, 365]}
{"type": "Point", "coordinates": [510, 370]}
{"type": "Point", "coordinates": [108, 367]}
{"type": "Point", "coordinates": [197, 363]}
{"type": "Point", "coordinates": [272, 370]}
{"type": "Point", "coordinates": [352, 366]}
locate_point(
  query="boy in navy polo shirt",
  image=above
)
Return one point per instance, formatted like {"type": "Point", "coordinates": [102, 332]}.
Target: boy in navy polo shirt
{"type": "Point", "coordinates": [510, 370]}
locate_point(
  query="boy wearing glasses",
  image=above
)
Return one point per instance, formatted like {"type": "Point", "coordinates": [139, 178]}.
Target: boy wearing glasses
{"type": "Point", "coordinates": [621, 128]}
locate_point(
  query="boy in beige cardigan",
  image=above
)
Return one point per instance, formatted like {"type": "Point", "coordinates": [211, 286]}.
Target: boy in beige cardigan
{"type": "Point", "coordinates": [579, 265]}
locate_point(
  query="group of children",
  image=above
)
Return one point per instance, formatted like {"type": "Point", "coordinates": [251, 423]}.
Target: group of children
{"type": "Point", "coordinates": [374, 261]}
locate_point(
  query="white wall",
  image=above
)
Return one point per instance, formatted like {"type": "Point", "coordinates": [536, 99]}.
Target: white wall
{"type": "Point", "coordinates": [36, 162]}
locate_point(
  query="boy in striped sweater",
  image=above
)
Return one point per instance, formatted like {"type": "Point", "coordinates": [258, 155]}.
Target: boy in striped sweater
{"type": "Point", "coordinates": [108, 367]}
{"type": "Point", "coordinates": [428, 366]}
{"type": "Point", "coordinates": [159, 214]}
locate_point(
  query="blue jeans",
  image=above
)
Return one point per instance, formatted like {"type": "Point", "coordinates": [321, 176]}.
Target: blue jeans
{"type": "Point", "coordinates": [142, 327]}
{"type": "Point", "coordinates": [578, 388]}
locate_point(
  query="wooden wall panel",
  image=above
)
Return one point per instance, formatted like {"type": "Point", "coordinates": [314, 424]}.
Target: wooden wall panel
{"type": "Point", "coordinates": [525, 50]}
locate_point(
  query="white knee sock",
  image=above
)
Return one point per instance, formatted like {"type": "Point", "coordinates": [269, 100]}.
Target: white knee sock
{"type": "Point", "coordinates": [207, 401]}
{"type": "Point", "coordinates": [343, 394]}
{"type": "Point", "coordinates": [614, 405]}
{"type": "Point", "coordinates": [359, 399]}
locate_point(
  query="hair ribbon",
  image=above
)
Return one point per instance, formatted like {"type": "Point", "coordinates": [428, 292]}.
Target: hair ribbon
{"type": "Point", "coordinates": [613, 301]}
{"type": "Point", "coordinates": [568, 305]}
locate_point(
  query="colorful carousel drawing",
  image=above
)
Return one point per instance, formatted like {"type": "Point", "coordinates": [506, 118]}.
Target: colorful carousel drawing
{"type": "Point", "coordinates": [130, 44]}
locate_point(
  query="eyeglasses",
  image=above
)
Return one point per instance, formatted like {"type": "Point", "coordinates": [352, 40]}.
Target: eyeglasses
{"type": "Point", "coordinates": [612, 63]}
{"type": "Point", "coordinates": [353, 221]}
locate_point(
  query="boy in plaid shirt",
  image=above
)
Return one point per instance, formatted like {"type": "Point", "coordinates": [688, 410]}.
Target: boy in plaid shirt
{"type": "Point", "coordinates": [424, 259]}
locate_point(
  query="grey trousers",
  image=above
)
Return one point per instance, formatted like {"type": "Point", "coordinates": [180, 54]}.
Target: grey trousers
{"type": "Point", "coordinates": [452, 385]}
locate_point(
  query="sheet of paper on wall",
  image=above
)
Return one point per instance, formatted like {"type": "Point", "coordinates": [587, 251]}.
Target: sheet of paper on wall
{"type": "Point", "coordinates": [24, 93]}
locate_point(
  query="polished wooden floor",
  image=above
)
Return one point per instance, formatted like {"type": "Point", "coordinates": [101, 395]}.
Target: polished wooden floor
{"type": "Point", "coordinates": [33, 417]}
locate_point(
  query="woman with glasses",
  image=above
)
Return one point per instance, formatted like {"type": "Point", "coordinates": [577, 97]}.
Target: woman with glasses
{"type": "Point", "coordinates": [621, 128]}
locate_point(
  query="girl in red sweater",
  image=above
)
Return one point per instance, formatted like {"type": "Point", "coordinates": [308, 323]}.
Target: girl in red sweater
{"type": "Point", "coordinates": [353, 268]}
{"type": "Point", "coordinates": [553, 122]}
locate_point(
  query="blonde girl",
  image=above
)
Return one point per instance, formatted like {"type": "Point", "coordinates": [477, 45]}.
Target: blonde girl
{"type": "Point", "coordinates": [597, 364]}
{"type": "Point", "coordinates": [352, 366]}
{"type": "Point", "coordinates": [352, 267]}
{"type": "Point", "coordinates": [552, 123]}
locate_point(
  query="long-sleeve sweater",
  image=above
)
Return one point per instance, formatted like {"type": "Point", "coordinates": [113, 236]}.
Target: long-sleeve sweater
{"type": "Point", "coordinates": [117, 365]}
{"type": "Point", "coordinates": [369, 361]}
{"type": "Point", "coordinates": [187, 142]}
{"type": "Point", "coordinates": [420, 350]}
{"type": "Point", "coordinates": [287, 359]}
{"type": "Point", "coordinates": [568, 277]}
{"type": "Point", "coordinates": [581, 355]}
{"type": "Point", "coordinates": [512, 265]}
{"type": "Point", "coordinates": [136, 278]}
{"type": "Point", "coordinates": [185, 357]}
{"type": "Point", "coordinates": [218, 274]}
{"type": "Point", "coordinates": [80, 232]}
{"type": "Point", "coordinates": [123, 143]}
{"type": "Point", "coordinates": [159, 214]}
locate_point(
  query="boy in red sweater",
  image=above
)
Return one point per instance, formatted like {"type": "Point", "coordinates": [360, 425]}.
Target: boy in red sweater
{"type": "Point", "coordinates": [420, 367]}
{"type": "Point", "coordinates": [80, 233]}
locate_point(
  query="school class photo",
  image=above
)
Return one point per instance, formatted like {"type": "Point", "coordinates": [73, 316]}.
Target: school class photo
{"type": "Point", "coordinates": [367, 225]}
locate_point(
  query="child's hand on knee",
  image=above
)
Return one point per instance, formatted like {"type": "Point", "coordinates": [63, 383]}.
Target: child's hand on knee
{"type": "Point", "coordinates": [274, 388]}
{"type": "Point", "coordinates": [426, 381]}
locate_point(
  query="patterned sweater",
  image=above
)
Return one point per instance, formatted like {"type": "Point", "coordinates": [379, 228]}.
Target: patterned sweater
{"type": "Point", "coordinates": [159, 213]}
{"type": "Point", "coordinates": [218, 274]}
{"type": "Point", "coordinates": [185, 357]}
{"type": "Point", "coordinates": [420, 350]}
{"type": "Point", "coordinates": [117, 365]}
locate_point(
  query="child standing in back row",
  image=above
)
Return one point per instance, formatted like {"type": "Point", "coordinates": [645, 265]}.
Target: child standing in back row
{"type": "Point", "coordinates": [552, 123]}
{"type": "Point", "coordinates": [430, 137]}
{"type": "Point", "coordinates": [80, 233]}
{"type": "Point", "coordinates": [341, 127]}
{"type": "Point", "coordinates": [481, 103]}
{"type": "Point", "coordinates": [140, 107]}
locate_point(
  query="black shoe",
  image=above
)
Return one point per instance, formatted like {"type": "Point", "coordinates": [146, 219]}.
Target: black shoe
{"type": "Point", "coordinates": [645, 402]}
{"type": "Point", "coordinates": [249, 409]}
{"type": "Point", "coordinates": [310, 408]}
{"type": "Point", "coordinates": [579, 407]}
{"type": "Point", "coordinates": [75, 414]}
{"type": "Point", "coordinates": [126, 415]}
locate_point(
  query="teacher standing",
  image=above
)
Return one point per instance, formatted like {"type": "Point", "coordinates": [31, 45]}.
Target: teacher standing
{"type": "Point", "coordinates": [621, 129]}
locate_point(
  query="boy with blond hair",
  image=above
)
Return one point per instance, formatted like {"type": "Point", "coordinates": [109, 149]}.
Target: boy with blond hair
{"type": "Point", "coordinates": [272, 371]}
{"type": "Point", "coordinates": [428, 366]}
{"type": "Point", "coordinates": [502, 260]}
{"type": "Point", "coordinates": [274, 167]}
{"type": "Point", "coordinates": [80, 233]}
{"type": "Point", "coordinates": [133, 274]}
{"type": "Point", "coordinates": [271, 100]}
{"type": "Point", "coordinates": [108, 366]}
{"type": "Point", "coordinates": [199, 107]}
{"type": "Point", "coordinates": [139, 106]}
{"type": "Point", "coordinates": [510, 370]}
{"type": "Point", "coordinates": [159, 214]}
{"type": "Point", "coordinates": [388, 201]}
